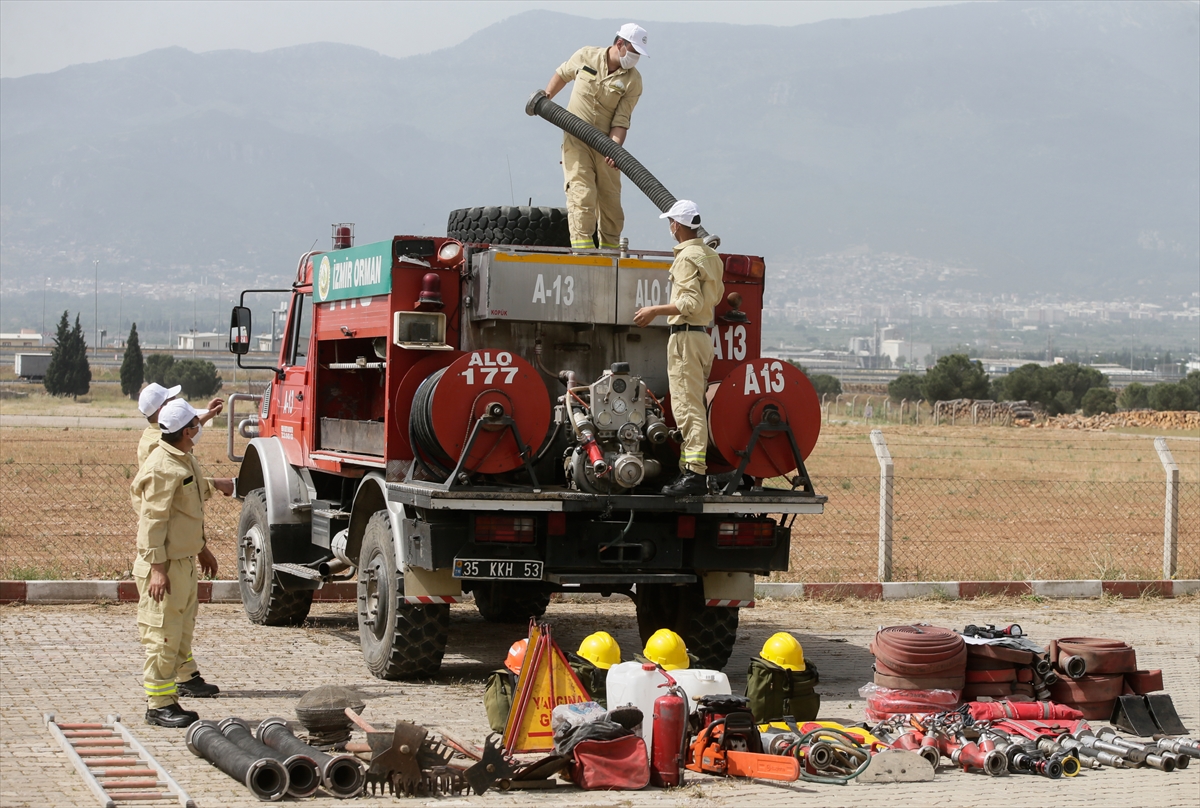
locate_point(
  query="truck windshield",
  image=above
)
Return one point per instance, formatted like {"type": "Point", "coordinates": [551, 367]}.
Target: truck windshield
{"type": "Point", "coordinates": [300, 331]}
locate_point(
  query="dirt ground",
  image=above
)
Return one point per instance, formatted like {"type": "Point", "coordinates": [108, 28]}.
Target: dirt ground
{"type": "Point", "coordinates": [84, 662]}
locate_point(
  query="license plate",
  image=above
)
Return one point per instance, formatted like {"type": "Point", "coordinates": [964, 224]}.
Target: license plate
{"type": "Point", "coordinates": [491, 569]}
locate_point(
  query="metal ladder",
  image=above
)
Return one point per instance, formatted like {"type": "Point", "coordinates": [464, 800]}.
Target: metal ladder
{"type": "Point", "coordinates": [114, 765]}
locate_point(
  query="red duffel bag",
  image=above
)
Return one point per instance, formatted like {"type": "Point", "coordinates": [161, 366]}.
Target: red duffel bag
{"type": "Point", "coordinates": [619, 764]}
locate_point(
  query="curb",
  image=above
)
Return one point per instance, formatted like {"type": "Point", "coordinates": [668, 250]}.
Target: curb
{"type": "Point", "coordinates": [47, 592]}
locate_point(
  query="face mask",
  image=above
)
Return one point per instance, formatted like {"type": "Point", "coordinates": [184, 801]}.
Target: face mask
{"type": "Point", "coordinates": [630, 58]}
{"type": "Point", "coordinates": [196, 437]}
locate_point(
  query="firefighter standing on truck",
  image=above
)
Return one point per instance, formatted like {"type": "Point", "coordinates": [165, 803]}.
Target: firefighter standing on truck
{"type": "Point", "coordinates": [169, 493]}
{"type": "Point", "coordinates": [607, 88]}
{"type": "Point", "coordinates": [696, 286]}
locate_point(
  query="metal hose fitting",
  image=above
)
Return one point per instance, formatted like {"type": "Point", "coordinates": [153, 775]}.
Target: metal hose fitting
{"type": "Point", "coordinates": [265, 777]}
{"type": "Point", "coordinates": [540, 105]}
{"type": "Point", "coordinates": [342, 775]}
{"type": "Point", "coordinates": [303, 777]}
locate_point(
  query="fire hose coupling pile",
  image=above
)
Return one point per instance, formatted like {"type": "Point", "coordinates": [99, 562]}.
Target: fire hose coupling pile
{"type": "Point", "coordinates": [342, 775]}
{"type": "Point", "coordinates": [266, 778]}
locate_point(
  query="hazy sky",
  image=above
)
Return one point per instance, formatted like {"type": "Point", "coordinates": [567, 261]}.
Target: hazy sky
{"type": "Point", "coordinates": [41, 36]}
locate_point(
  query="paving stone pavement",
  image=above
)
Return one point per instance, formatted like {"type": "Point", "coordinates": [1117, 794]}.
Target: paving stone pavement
{"type": "Point", "coordinates": [84, 662]}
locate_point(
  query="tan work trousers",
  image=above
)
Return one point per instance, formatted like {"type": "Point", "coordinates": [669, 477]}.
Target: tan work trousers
{"type": "Point", "coordinates": [166, 632]}
{"type": "Point", "coordinates": [689, 361]}
{"type": "Point", "coordinates": [593, 196]}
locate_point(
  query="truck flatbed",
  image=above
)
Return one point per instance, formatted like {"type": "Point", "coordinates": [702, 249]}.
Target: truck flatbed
{"type": "Point", "coordinates": [558, 498]}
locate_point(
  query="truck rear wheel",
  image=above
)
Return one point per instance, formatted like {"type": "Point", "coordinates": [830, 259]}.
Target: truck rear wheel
{"type": "Point", "coordinates": [399, 640]}
{"type": "Point", "coordinates": [708, 631]}
{"type": "Point", "coordinates": [510, 224]}
{"type": "Point", "coordinates": [264, 597]}
{"type": "Point", "coordinates": [504, 602]}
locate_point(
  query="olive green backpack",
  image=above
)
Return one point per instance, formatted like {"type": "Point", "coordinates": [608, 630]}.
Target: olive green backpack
{"type": "Point", "coordinates": [775, 691]}
{"type": "Point", "coordinates": [592, 678]}
{"type": "Point", "coordinates": [498, 698]}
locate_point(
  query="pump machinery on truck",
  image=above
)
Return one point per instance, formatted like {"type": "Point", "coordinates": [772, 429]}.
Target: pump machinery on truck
{"type": "Point", "coordinates": [479, 414]}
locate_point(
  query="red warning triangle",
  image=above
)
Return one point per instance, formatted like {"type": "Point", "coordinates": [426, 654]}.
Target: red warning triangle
{"type": "Point", "coordinates": [546, 681]}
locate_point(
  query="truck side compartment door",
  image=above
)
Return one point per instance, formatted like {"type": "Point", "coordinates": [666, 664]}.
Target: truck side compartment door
{"type": "Point", "coordinates": [293, 407]}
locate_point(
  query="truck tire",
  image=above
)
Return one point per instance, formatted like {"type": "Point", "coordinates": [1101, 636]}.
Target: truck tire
{"type": "Point", "coordinates": [510, 224]}
{"type": "Point", "coordinates": [708, 631]}
{"type": "Point", "coordinates": [504, 602]}
{"type": "Point", "coordinates": [264, 597]}
{"type": "Point", "coordinates": [399, 640]}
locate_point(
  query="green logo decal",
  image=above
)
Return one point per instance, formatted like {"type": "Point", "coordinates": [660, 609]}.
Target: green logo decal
{"type": "Point", "coordinates": [355, 272]}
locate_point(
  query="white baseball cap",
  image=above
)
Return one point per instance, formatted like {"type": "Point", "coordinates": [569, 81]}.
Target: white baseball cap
{"type": "Point", "coordinates": [153, 397]}
{"type": "Point", "coordinates": [635, 35]}
{"type": "Point", "coordinates": [176, 415]}
{"type": "Point", "coordinates": [685, 212]}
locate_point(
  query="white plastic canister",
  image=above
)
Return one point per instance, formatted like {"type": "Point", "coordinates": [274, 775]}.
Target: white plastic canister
{"type": "Point", "coordinates": [698, 682]}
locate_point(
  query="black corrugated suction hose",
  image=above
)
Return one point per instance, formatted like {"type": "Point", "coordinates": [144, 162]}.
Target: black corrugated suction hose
{"type": "Point", "coordinates": [303, 777]}
{"type": "Point", "coordinates": [266, 778]}
{"type": "Point", "coordinates": [540, 105]}
{"type": "Point", "coordinates": [342, 775]}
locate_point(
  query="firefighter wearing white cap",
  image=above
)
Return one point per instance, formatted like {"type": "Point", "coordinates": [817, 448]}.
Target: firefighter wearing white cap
{"type": "Point", "coordinates": [150, 401]}
{"type": "Point", "coordinates": [696, 286]}
{"type": "Point", "coordinates": [607, 88]}
{"type": "Point", "coordinates": [169, 493]}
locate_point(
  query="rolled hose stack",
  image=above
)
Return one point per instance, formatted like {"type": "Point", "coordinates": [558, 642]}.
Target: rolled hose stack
{"type": "Point", "coordinates": [539, 104]}
{"type": "Point", "coordinates": [266, 778]}
{"type": "Point", "coordinates": [997, 671]}
{"type": "Point", "coordinates": [342, 776]}
{"type": "Point", "coordinates": [926, 663]}
{"type": "Point", "coordinates": [1094, 671]}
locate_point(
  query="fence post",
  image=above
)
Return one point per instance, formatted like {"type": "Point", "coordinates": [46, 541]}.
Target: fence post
{"type": "Point", "coordinates": [1170, 510]}
{"type": "Point", "coordinates": [885, 504]}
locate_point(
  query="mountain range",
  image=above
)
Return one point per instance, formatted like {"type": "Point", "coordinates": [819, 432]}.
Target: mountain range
{"type": "Point", "coordinates": [1038, 146]}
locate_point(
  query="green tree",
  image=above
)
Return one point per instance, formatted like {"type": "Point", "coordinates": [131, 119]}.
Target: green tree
{"type": "Point", "coordinates": [197, 377]}
{"type": "Point", "coordinates": [1192, 382]}
{"type": "Point", "coordinates": [79, 379]}
{"type": "Point", "coordinates": [56, 372]}
{"type": "Point", "coordinates": [905, 386]}
{"type": "Point", "coordinates": [1076, 379]}
{"type": "Point", "coordinates": [955, 376]}
{"type": "Point", "coordinates": [158, 367]}
{"type": "Point", "coordinates": [1135, 396]}
{"type": "Point", "coordinates": [1098, 400]}
{"type": "Point", "coordinates": [823, 383]}
{"type": "Point", "coordinates": [132, 366]}
{"type": "Point", "coordinates": [1168, 396]}
{"type": "Point", "coordinates": [1030, 383]}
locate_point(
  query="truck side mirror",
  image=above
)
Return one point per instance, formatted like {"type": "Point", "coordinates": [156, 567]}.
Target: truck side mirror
{"type": "Point", "coordinates": [239, 331]}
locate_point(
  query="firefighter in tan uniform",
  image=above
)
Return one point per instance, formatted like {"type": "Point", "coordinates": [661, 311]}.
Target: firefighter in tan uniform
{"type": "Point", "coordinates": [607, 88]}
{"type": "Point", "coordinates": [150, 401]}
{"type": "Point", "coordinates": [169, 493]}
{"type": "Point", "coordinates": [696, 287]}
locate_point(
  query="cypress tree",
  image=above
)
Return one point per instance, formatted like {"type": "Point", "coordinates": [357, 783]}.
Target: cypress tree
{"type": "Point", "coordinates": [56, 372]}
{"type": "Point", "coordinates": [132, 366]}
{"type": "Point", "coordinates": [79, 380]}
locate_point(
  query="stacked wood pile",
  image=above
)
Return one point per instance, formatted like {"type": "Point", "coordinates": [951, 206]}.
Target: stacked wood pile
{"type": "Point", "coordinates": [1146, 418]}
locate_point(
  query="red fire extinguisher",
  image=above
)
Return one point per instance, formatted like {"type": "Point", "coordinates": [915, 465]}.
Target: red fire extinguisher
{"type": "Point", "coordinates": [670, 731]}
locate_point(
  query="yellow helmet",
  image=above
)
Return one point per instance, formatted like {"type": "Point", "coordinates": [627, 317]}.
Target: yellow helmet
{"type": "Point", "coordinates": [600, 649]}
{"type": "Point", "coordinates": [666, 649]}
{"type": "Point", "coordinates": [784, 650]}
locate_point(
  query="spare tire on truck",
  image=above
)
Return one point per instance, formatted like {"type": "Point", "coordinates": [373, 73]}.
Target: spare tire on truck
{"type": "Point", "coordinates": [510, 224]}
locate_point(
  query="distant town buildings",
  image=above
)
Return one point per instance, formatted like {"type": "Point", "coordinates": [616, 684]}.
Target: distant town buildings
{"type": "Point", "coordinates": [25, 338]}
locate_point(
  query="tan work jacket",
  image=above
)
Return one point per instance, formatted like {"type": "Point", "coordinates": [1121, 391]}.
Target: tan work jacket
{"type": "Point", "coordinates": [601, 98]}
{"type": "Point", "coordinates": [696, 285]}
{"type": "Point", "coordinates": [169, 493]}
{"type": "Point", "coordinates": [148, 441]}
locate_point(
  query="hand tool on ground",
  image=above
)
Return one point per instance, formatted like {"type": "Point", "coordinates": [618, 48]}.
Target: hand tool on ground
{"type": "Point", "coordinates": [113, 763]}
{"type": "Point", "coordinates": [394, 764]}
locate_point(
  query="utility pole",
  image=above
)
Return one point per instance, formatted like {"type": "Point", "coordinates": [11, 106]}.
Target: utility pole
{"type": "Point", "coordinates": [45, 283]}
{"type": "Point", "coordinates": [193, 324]}
{"type": "Point", "coordinates": [96, 307]}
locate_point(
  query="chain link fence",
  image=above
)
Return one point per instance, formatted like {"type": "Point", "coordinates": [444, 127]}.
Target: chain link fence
{"type": "Point", "coordinates": [966, 506]}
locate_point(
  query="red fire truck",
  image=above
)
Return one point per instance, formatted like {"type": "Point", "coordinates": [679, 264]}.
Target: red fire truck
{"type": "Point", "coordinates": [473, 415]}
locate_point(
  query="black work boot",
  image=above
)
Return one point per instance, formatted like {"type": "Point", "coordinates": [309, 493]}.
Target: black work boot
{"type": "Point", "coordinates": [197, 688]}
{"type": "Point", "coordinates": [172, 716]}
{"type": "Point", "coordinates": [687, 484]}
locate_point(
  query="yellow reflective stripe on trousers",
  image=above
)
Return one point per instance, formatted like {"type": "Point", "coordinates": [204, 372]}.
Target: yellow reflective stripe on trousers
{"type": "Point", "coordinates": [159, 690]}
{"type": "Point", "coordinates": [583, 244]}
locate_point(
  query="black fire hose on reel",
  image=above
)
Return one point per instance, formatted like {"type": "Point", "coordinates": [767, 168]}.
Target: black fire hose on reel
{"type": "Point", "coordinates": [539, 104]}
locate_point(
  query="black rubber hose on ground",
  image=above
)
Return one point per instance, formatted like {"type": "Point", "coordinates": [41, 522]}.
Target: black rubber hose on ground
{"type": "Point", "coordinates": [266, 778]}
{"type": "Point", "coordinates": [539, 104]}
{"type": "Point", "coordinates": [303, 777]}
{"type": "Point", "coordinates": [342, 775]}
